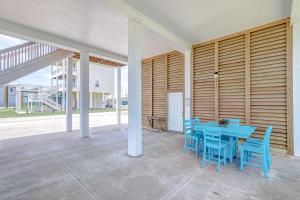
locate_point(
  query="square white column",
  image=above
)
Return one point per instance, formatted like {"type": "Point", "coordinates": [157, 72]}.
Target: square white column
{"type": "Point", "coordinates": [135, 41]}
{"type": "Point", "coordinates": [187, 85]}
{"type": "Point", "coordinates": [118, 102]}
{"type": "Point", "coordinates": [69, 95]}
{"type": "Point", "coordinates": [84, 94]}
{"type": "Point", "coordinates": [296, 88]}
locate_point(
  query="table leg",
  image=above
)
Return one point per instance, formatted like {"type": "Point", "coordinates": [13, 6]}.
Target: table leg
{"type": "Point", "coordinates": [230, 149]}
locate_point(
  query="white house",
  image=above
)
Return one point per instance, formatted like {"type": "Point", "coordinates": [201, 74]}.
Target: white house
{"type": "Point", "coordinates": [101, 85]}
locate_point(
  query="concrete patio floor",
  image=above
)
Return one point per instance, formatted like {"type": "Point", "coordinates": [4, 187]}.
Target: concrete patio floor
{"type": "Point", "coordinates": [64, 166]}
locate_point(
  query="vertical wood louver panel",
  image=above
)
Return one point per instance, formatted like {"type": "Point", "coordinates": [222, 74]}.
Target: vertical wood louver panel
{"type": "Point", "coordinates": [268, 61]}
{"type": "Point", "coordinates": [147, 91]}
{"type": "Point", "coordinates": [231, 81]}
{"type": "Point", "coordinates": [204, 81]}
{"type": "Point", "coordinates": [175, 62]}
{"type": "Point", "coordinates": [159, 84]}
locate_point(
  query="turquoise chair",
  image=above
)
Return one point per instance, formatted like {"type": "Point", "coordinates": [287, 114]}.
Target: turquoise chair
{"type": "Point", "coordinates": [191, 141]}
{"type": "Point", "coordinates": [233, 147]}
{"type": "Point", "coordinates": [260, 141]}
{"type": "Point", "coordinates": [196, 121]}
{"type": "Point", "coordinates": [214, 148]}
{"type": "Point", "coordinates": [257, 148]}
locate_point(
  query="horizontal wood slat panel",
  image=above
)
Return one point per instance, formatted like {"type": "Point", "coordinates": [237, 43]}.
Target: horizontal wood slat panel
{"type": "Point", "coordinates": [268, 83]}
{"type": "Point", "coordinates": [147, 91]}
{"type": "Point", "coordinates": [204, 82]}
{"type": "Point", "coordinates": [252, 84]}
{"type": "Point", "coordinates": [159, 80]}
{"type": "Point", "coordinates": [160, 74]}
{"type": "Point", "coordinates": [175, 62]}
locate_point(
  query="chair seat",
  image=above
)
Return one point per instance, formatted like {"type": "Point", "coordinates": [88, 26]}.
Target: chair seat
{"type": "Point", "coordinates": [213, 144]}
{"type": "Point", "coordinates": [250, 146]}
{"type": "Point", "coordinates": [254, 140]}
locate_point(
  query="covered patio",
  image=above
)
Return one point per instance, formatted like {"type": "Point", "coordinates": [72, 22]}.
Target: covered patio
{"type": "Point", "coordinates": [63, 166]}
{"type": "Point", "coordinates": [187, 60]}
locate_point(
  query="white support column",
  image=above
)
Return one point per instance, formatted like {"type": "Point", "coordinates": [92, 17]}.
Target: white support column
{"type": "Point", "coordinates": [187, 85]}
{"type": "Point", "coordinates": [118, 102]}
{"type": "Point", "coordinates": [296, 87]}
{"type": "Point", "coordinates": [91, 100]}
{"type": "Point", "coordinates": [77, 101]}
{"type": "Point", "coordinates": [84, 94]}
{"type": "Point", "coordinates": [135, 41]}
{"type": "Point", "coordinates": [69, 95]}
{"type": "Point", "coordinates": [63, 99]}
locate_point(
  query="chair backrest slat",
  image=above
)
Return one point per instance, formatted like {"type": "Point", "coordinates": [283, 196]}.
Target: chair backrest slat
{"type": "Point", "coordinates": [268, 135]}
{"type": "Point", "coordinates": [188, 126]}
{"type": "Point", "coordinates": [233, 121]}
{"type": "Point", "coordinates": [196, 121]}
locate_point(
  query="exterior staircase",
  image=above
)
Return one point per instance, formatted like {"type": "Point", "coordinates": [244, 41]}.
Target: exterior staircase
{"type": "Point", "coordinates": [23, 59]}
{"type": "Point", "coordinates": [46, 98]}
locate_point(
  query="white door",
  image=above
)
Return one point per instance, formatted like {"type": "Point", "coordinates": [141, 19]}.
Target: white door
{"type": "Point", "coordinates": [175, 112]}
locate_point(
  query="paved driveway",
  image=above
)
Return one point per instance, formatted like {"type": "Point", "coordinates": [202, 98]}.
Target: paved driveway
{"type": "Point", "coordinates": [25, 126]}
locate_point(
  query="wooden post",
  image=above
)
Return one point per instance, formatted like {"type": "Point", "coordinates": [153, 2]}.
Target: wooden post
{"type": "Point", "coordinates": [216, 81]}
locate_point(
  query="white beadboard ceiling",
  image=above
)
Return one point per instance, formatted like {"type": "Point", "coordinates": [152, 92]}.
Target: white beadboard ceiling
{"type": "Point", "coordinates": [96, 23]}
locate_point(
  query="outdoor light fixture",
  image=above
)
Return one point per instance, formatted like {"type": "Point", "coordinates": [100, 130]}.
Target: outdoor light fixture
{"type": "Point", "coordinates": [216, 74]}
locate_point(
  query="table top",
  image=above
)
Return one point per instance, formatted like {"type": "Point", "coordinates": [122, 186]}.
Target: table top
{"type": "Point", "coordinates": [239, 131]}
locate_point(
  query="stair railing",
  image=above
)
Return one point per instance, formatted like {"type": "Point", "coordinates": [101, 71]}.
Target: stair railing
{"type": "Point", "coordinates": [20, 54]}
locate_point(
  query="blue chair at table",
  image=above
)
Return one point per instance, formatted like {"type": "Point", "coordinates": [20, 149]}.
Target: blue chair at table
{"type": "Point", "coordinates": [257, 148]}
{"type": "Point", "coordinates": [214, 148]}
{"type": "Point", "coordinates": [196, 121]}
{"type": "Point", "coordinates": [191, 141]}
{"type": "Point", "coordinates": [233, 148]}
{"type": "Point", "coordinates": [260, 141]}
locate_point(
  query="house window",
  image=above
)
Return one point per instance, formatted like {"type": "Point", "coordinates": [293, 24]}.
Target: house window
{"type": "Point", "coordinates": [74, 83]}
{"type": "Point", "coordinates": [97, 84]}
{"type": "Point", "coordinates": [11, 90]}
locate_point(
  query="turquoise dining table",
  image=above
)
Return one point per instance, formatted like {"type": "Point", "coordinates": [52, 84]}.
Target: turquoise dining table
{"type": "Point", "coordinates": [231, 130]}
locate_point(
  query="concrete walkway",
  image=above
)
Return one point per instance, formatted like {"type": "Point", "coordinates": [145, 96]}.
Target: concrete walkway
{"type": "Point", "coordinates": [65, 166]}
{"type": "Point", "coordinates": [25, 126]}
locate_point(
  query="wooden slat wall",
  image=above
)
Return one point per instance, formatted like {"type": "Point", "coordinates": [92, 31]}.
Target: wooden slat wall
{"type": "Point", "coordinates": [159, 78]}
{"type": "Point", "coordinates": [204, 82]}
{"type": "Point", "coordinates": [175, 62]}
{"type": "Point", "coordinates": [268, 83]}
{"type": "Point", "coordinates": [147, 91]}
{"type": "Point", "coordinates": [160, 75]}
{"type": "Point", "coordinates": [231, 83]}
{"type": "Point", "coordinates": [252, 83]}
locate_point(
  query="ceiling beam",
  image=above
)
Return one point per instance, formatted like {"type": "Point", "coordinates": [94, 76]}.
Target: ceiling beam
{"type": "Point", "coordinates": [138, 16]}
{"type": "Point", "coordinates": [295, 12]}
{"type": "Point", "coordinates": [31, 34]}
{"type": "Point", "coordinates": [101, 61]}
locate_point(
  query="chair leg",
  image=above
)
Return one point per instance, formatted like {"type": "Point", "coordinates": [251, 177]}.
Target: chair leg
{"type": "Point", "coordinates": [264, 164]}
{"type": "Point", "coordinates": [219, 161]}
{"type": "Point", "coordinates": [242, 160]}
{"type": "Point", "coordinates": [196, 148]}
{"type": "Point", "coordinates": [204, 156]}
{"type": "Point", "coordinates": [225, 155]}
